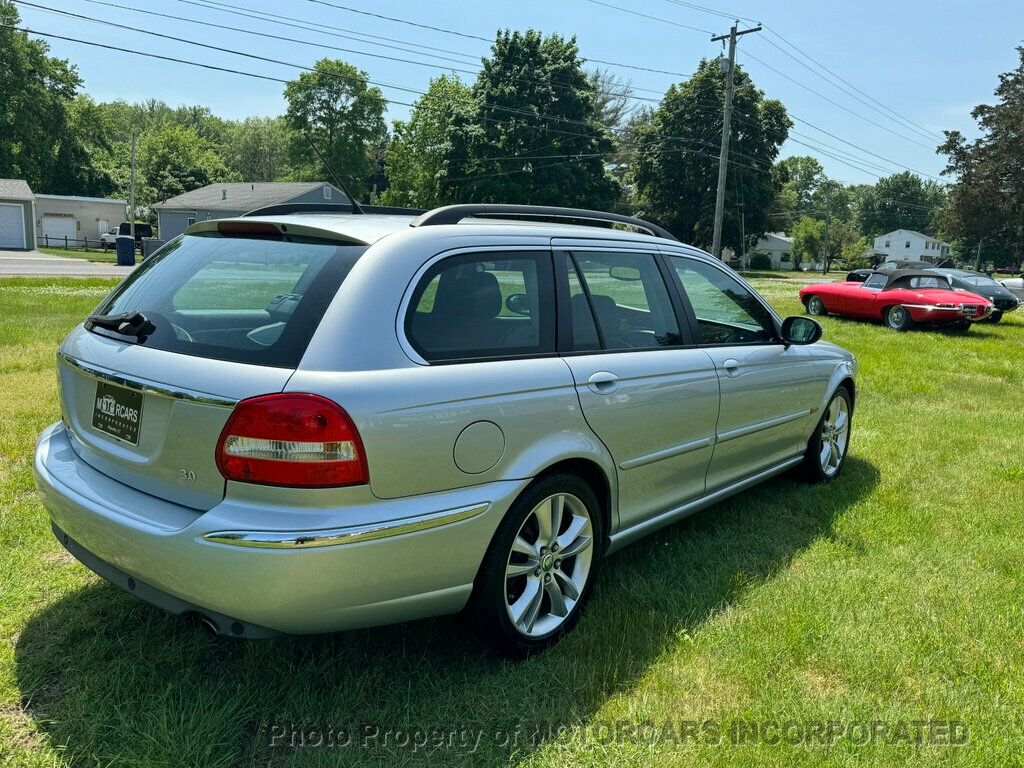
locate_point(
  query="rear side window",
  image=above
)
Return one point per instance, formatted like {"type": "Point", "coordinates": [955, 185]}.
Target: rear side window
{"type": "Point", "coordinates": [479, 306]}
{"type": "Point", "coordinates": [629, 299]}
{"type": "Point", "coordinates": [248, 300]}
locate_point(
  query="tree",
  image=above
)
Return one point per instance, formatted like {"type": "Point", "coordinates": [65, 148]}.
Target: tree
{"type": "Point", "coordinates": [901, 201]}
{"type": "Point", "coordinates": [535, 137]}
{"type": "Point", "coordinates": [335, 108]}
{"type": "Point", "coordinates": [675, 168]}
{"type": "Point", "coordinates": [421, 157]}
{"type": "Point", "coordinates": [799, 177]}
{"type": "Point", "coordinates": [808, 235]}
{"type": "Point", "coordinates": [257, 149]}
{"type": "Point", "coordinates": [986, 205]}
{"type": "Point", "coordinates": [173, 160]}
{"type": "Point", "coordinates": [40, 130]}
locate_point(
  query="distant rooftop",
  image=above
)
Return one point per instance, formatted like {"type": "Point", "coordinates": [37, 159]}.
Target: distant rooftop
{"type": "Point", "coordinates": [244, 195]}
{"type": "Point", "coordinates": [15, 189]}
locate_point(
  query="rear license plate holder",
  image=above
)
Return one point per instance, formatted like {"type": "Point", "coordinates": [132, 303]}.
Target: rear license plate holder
{"type": "Point", "coordinates": [117, 412]}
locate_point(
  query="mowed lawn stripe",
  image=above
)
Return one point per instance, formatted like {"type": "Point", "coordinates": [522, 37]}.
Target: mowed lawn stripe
{"type": "Point", "coordinates": [891, 595]}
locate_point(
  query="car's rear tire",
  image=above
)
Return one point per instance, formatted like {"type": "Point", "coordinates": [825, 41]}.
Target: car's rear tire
{"type": "Point", "coordinates": [898, 318]}
{"type": "Point", "coordinates": [995, 317]}
{"type": "Point", "coordinates": [816, 307]}
{"type": "Point", "coordinates": [528, 593]}
{"type": "Point", "coordinates": [828, 446]}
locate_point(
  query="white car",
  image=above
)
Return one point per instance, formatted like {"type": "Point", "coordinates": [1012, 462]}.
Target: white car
{"type": "Point", "coordinates": [109, 239]}
{"type": "Point", "coordinates": [1015, 285]}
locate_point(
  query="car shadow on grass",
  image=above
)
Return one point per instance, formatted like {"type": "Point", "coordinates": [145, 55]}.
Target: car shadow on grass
{"type": "Point", "coordinates": [110, 679]}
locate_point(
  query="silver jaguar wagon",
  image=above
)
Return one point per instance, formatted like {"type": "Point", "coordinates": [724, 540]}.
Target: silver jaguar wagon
{"type": "Point", "coordinates": [297, 422]}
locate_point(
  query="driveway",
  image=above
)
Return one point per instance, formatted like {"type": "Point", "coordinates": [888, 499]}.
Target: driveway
{"type": "Point", "coordinates": [36, 264]}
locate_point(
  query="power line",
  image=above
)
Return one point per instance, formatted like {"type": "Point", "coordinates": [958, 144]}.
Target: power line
{"type": "Point", "coordinates": [848, 83]}
{"type": "Point", "coordinates": [488, 40]}
{"type": "Point", "coordinates": [225, 6]}
{"type": "Point", "coordinates": [653, 18]}
{"type": "Point", "coordinates": [820, 95]}
{"type": "Point", "coordinates": [317, 26]}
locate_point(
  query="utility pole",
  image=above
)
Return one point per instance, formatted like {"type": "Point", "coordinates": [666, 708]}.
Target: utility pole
{"type": "Point", "coordinates": [828, 221]}
{"type": "Point", "coordinates": [723, 158]}
{"type": "Point", "coordinates": [131, 198]}
{"type": "Point", "coordinates": [743, 235]}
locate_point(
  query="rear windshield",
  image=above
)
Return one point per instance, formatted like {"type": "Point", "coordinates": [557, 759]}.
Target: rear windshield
{"type": "Point", "coordinates": [243, 299]}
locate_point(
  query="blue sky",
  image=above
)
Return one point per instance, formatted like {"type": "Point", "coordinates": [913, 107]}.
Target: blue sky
{"type": "Point", "coordinates": [931, 62]}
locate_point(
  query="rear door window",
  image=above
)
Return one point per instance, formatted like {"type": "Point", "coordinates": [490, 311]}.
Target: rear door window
{"type": "Point", "coordinates": [628, 297]}
{"type": "Point", "coordinates": [243, 299]}
{"type": "Point", "coordinates": [480, 306]}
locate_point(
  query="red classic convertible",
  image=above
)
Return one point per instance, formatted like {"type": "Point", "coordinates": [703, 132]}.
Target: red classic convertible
{"type": "Point", "coordinates": [900, 299]}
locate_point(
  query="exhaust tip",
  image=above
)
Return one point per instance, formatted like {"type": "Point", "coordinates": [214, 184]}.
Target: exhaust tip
{"type": "Point", "coordinates": [209, 625]}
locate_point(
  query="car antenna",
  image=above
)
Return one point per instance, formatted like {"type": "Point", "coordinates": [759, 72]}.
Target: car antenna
{"type": "Point", "coordinates": [356, 208]}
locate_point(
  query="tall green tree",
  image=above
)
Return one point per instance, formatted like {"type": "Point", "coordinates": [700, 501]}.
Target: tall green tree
{"type": "Point", "coordinates": [808, 237]}
{"type": "Point", "coordinates": [799, 176]}
{"type": "Point", "coordinates": [173, 160]}
{"type": "Point", "coordinates": [986, 205]}
{"type": "Point", "coordinates": [536, 137]}
{"type": "Point", "coordinates": [40, 130]}
{"type": "Point", "coordinates": [675, 169]}
{"type": "Point", "coordinates": [336, 109]}
{"type": "Point", "coordinates": [422, 157]}
{"type": "Point", "coordinates": [901, 201]}
{"type": "Point", "coordinates": [256, 149]}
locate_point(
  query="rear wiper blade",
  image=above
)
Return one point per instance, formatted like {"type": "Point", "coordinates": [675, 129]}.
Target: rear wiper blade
{"type": "Point", "coordinates": [127, 323]}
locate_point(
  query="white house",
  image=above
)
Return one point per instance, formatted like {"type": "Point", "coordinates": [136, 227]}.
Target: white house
{"type": "Point", "coordinates": [908, 245]}
{"type": "Point", "coordinates": [778, 246]}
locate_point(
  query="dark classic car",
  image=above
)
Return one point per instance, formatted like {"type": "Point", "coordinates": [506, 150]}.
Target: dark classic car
{"type": "Point", "coordinates": [982, 285]}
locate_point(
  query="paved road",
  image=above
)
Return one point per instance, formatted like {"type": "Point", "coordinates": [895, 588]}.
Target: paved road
{"type": "Point", "coordinates": [36, 264]}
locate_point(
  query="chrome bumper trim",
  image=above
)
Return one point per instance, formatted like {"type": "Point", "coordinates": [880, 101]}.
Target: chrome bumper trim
{"type": "Point", "coordinates": [339, 536]}
{"type": "Point", "coordinates": [133, 382]}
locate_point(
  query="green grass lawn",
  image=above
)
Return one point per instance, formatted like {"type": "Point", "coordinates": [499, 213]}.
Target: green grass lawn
{"type": "Point", "coordinates": [892, 595]}
{"type": "Point", "coordinates": [102, 257]}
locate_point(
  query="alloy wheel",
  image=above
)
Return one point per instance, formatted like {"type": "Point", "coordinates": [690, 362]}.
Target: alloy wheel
{"type": "Point", "coordinates": [835, 435]}
{"type": "Point", "coordinates": [549, 564]}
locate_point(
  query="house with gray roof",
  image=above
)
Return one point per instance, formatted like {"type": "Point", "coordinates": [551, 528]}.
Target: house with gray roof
{"type": "Point", "coordinates": [17, 215]}
{"type": "Point", "coordinates": [227, 199]}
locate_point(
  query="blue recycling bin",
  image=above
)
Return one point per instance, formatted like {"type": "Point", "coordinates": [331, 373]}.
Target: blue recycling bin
{"type": "Point", "coordinates": [125, 251]}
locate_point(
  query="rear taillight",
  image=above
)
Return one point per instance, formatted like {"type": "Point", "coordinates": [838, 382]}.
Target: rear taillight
{"type": "Point", "coordinates": [294, 440]}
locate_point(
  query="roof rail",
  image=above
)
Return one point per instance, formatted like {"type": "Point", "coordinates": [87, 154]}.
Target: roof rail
{"type": "Point", "coordinates": [287, 208]}
{"type": "Point", "coordinates": [453, 214]}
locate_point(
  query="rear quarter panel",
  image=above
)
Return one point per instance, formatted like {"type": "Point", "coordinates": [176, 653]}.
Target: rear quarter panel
{"type": "Point", "coordinates": [411, 420]}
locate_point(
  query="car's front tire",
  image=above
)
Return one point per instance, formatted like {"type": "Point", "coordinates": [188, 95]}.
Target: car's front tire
{"type": "Point", "coordinates": [995, 317]}
{"type": "Point", "coordinates": [828, 446]}
{"type": "Point", "coordinates": [816, 307]}
{"type": "Point", "coordinates": [898, 318]}
{"type": "Point", "coordinates": [540, 568]}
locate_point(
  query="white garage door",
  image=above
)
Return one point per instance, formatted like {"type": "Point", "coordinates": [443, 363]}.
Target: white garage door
{"type": "Point", "coordinates": [12, 226]}
{"type": "Point", "coordinates": [57, 228]}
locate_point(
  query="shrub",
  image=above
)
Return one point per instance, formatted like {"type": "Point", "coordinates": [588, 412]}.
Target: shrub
{"type": "Point", "coordinates": [761, 261]}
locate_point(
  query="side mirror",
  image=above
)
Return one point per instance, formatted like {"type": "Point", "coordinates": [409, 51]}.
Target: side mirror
{"type": "Point", "coordinates": [517, 304]}
{"type": "Point", "coordinates": [801, 330]}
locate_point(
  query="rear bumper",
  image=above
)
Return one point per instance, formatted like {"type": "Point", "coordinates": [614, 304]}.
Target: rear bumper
{"type": "Point", "coordinates": [376, 562]}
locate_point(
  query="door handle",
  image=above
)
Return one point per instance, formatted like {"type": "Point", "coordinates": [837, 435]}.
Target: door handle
{"type": "Point", "coordinates": [603, 382]}
{"type": "Point", "coordinates": [731, 367]}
